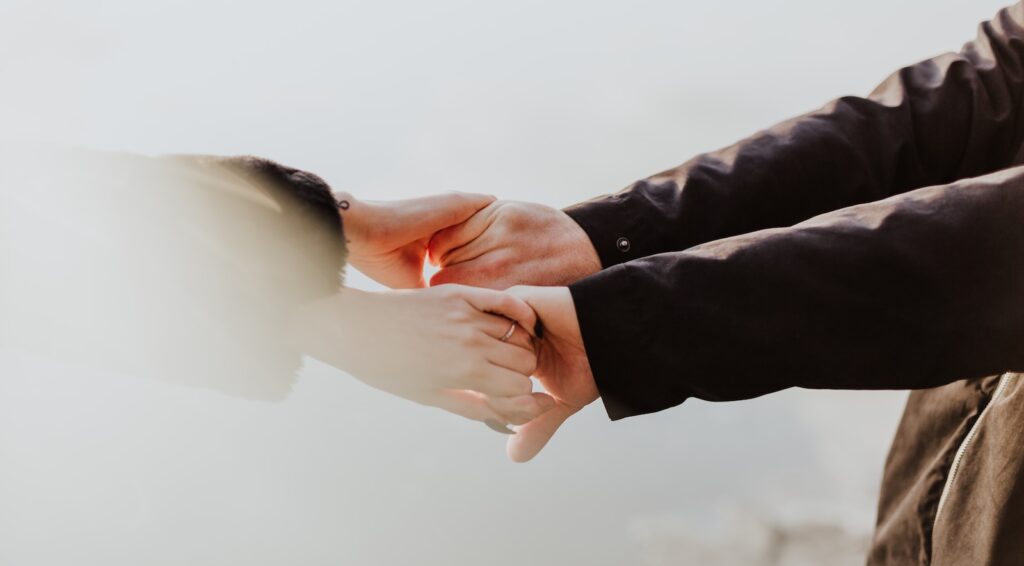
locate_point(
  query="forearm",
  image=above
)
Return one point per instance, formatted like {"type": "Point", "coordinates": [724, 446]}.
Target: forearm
{"type": "Point", "coordinates": [913, 291]}
{"type": "Point", "coordinates": [332, 329]}
{"type": "Point", "coordinates": [943, 119]}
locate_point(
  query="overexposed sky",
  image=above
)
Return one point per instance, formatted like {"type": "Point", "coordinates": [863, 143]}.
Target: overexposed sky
{"type": "Point", "coordinates": [547, 101]}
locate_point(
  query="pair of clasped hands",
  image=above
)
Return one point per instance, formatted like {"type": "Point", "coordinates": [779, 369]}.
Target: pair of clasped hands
{"type": "Point", "coordinates": [447, 344]}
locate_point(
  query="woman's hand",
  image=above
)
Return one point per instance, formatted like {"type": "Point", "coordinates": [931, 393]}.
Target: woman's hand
{"type": "Point", "coordinates": [440, 346]}
{"type": "Point", "coordinates": [388, 240]}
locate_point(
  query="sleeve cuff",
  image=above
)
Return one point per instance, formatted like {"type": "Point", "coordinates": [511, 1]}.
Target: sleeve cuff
{"type": "Point", "coordinates": [616, 335]}
{"type": "Point", "coordinates": [622, 226]}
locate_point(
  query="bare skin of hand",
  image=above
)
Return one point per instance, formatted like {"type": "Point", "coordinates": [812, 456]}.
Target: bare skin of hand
{"type": "Point", "coordinates": [440, 347]}
{"type": "Point", "coordinates": [387, 241]}
{"type": "Point", "coordinates": [513, 243]}
{"type": "Point", "coordinates": [562, 368]}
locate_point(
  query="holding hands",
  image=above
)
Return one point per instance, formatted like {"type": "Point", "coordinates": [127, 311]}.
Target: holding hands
{"type": "Point", "coordinates": [463, 345]}
{"type": "Point", "coordinates": [534, 251]}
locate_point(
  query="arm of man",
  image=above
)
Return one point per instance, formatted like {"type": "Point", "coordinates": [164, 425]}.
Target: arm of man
{"type": "Point", "coordinates": [913, 291]}
{"type": "Point", "coordinates": [950, 117]}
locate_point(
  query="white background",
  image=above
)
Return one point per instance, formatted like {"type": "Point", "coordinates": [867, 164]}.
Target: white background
{"type": "Point", "coordinates": [546, 101]}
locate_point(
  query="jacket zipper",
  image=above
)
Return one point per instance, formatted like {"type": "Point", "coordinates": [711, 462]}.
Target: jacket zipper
{"type": "Point", "coordinates": [958, 458]}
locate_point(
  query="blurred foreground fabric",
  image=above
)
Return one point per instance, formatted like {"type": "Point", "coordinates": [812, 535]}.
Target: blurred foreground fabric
{"type": "Point", "coordinates": [185, 268]}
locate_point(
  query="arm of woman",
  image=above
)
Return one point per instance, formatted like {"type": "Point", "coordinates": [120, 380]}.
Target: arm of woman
{"type": "Point", "coordinates": [463, 349]}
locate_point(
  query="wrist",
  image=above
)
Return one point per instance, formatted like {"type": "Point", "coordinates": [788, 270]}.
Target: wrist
{"type": "Point", "coordinates": [354, 213]}
{"type": "Point", "coordinates": [582, 248]}
{"type": "Point", "coordinates": [330, 329]}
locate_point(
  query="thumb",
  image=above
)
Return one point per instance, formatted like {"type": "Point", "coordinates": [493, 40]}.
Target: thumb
{"type": "Point", "coordinates": [531, 438]}
{"type": "Point", "coordinates": [420, 218]}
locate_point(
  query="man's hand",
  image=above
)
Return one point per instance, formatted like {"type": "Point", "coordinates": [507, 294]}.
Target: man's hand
{"type": "Point", "coordinates": [514, 243]}
{"type": "Point", "coordinates": [387, 241]}
{"type": "Point", "coordinates": [562, 367]}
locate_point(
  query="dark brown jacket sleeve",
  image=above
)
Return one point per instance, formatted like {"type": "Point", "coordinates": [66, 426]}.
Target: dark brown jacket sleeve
{"type": "Point", "coordinates": [913, 291]}
{"type": "Point", "coordinates": [947, 118]}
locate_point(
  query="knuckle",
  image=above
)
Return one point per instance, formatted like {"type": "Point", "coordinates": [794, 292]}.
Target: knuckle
{"type": "Point", "coordinates": [457, 317]}
{"type": "Point", "coordinates": [517, 215]}
{"type": "Point", "coordinates": [508, 303]}
{"type": "Point", "coordinates": [519, 292]}
{"type": "Point", "coordinates": [449, 292]}
{"type": "Point", "coordinates": [452, 313]}
{"type": "Point", "coordinates": [468, 338]}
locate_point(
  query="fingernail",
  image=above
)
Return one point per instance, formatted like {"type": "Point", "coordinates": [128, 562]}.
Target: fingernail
{"type": "Point", "coordinates": [498, 427]}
